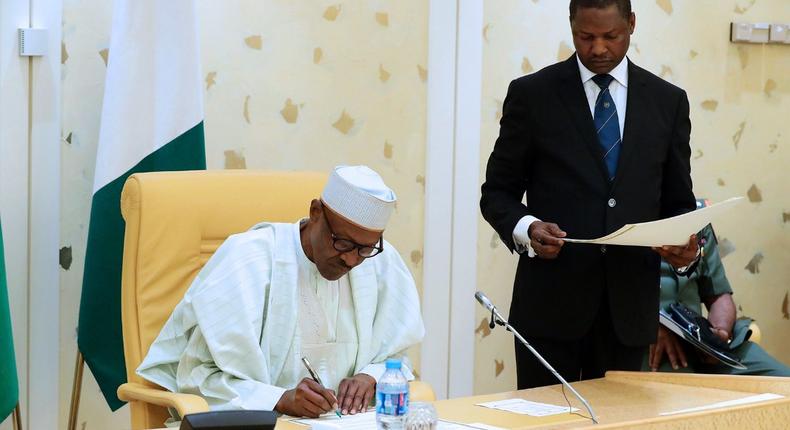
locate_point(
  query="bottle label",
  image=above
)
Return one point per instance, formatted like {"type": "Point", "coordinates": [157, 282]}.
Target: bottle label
{"type": "Point", "coordinates": [395, 404]}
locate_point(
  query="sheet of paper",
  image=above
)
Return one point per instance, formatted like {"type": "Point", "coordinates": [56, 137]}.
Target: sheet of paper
{"type": "Point", "coordinates": [525, 407]}
{"type": "Point", "coordinates": [742, 401]}
{"type": "Point", "coordinates": [449, 425]}
{"type": "Point", "coordinates": [482, 426]}
{"type": "Point", "coordinates": [668, 231]}
{"type": "Point", "coordinates": [363, 421]}
{"type": "Point", "coordinates": [367, 421]}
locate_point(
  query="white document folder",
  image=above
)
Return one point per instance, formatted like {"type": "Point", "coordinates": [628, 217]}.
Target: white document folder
{"type": "Point", "coordinates": [668, 231]}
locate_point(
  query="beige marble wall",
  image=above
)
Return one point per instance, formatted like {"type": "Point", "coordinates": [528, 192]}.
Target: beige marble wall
{"type": "Point", "coordinates": [306, 85]}
{"type": "Point", "coordinates": [740, 106]}
{"type": "Point", "coordinates": [288, 85]}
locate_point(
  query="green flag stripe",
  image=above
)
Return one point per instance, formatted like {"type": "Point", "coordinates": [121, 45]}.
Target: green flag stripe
{"type": "Point", "coordinates": [99, 335]}
{"type": "Point", "coordinates": [9, 386]}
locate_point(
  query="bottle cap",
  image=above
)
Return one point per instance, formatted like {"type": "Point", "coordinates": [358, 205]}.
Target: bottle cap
{"type": "Point", "coordinates": [393, 363]}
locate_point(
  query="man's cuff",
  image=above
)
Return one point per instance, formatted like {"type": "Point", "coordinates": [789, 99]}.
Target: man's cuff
{"type": "Point", "coordinates": [687, 270]}
{"type": "Point", "coordinates": [262, 397]}
{"type": "Point", "coordinates": [521, 235]}
{"type": "Point", "coordinates": [376, 371]}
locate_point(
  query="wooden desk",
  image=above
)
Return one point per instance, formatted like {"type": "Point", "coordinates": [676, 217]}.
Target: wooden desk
{"type": "Point", "coordinates": [629, 400]}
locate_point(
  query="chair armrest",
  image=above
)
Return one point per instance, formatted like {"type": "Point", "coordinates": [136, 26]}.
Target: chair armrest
{"type": "Point", "coordinates": [756, 333]}
{"type": "Point", "coordinates": [420, 391]}
{"type": "Point", "coordinates": [181, 402]}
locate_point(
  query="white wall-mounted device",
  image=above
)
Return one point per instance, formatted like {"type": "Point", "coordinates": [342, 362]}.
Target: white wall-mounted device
{"type": "Point", "coordinates": [745, 32]}
{"type": "Point", "coordinates": [32, 42]}
{"type": "Point", "coordinates": [749, 32]}
{"type": "Point", "coordinates": [780, 33]}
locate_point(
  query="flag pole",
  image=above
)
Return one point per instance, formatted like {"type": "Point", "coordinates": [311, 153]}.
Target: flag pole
{"type": "Point", "coordinates": [76, 390]}
{"type": "Point", "coordinates": [17, 417]}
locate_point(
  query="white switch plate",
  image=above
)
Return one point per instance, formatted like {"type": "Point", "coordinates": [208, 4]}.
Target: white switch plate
{"type": "Point", "coordinates": [740, 32]}
{"type": "Point", "coordinates": [760, 33]}
{"type": "Point", "coordinates": [32, 42]}
{"type": "Point", "coordinates": [745, 32]}
{"type": "Point", "coordinates": [780, 33]}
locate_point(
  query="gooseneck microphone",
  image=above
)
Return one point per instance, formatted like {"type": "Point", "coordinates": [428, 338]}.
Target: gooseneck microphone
{"type": "Point", "coordinates": [483, 299]}
{"type": "Point", "coordinates": [496, 318]}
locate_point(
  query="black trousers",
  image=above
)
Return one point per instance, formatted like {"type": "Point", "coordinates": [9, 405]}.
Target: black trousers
{"type": "Point", "coordinates": [587, 358]}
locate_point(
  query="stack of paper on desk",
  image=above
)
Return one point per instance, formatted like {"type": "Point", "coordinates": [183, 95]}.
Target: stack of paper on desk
{"type": "Point", "coordinates": [668, 231]}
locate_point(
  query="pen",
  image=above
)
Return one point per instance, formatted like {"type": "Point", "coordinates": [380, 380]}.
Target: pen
{"type": "Point", "coordinates": [315, 377]}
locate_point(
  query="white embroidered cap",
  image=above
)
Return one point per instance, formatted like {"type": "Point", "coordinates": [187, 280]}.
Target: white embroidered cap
{"type": "Point", "coordinates": [358, 194]}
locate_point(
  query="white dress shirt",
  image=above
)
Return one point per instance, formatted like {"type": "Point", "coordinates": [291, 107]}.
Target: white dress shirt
{"type": "Point", "coordinates": [619, 92]}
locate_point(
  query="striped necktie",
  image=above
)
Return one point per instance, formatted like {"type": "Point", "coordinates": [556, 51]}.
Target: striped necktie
{"type": "Point", "coordinates": [607, 124]}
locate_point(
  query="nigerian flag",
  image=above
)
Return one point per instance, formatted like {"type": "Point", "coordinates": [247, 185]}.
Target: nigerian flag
{"type": "Point", "coordinates": [9, 386]}
{"type": "Point", "coordinates": [151, 120]}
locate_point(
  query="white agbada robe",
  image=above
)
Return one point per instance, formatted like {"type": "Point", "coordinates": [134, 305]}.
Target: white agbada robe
{"type": "Point", "coordinates": [238, 335]}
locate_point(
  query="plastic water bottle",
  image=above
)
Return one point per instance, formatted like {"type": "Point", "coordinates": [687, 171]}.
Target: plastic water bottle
{"type": "Point", "coordinates": [392, 398]}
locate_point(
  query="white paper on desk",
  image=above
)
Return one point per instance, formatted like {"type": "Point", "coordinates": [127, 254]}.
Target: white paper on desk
{"type": "Point", "coordinates": [449, 425]}
{"type": "Point", "coordinates": [525, 407]}
{"type": "Point", "coordinates": [482, 426]}
{"type": "Point", "coordinates": [364, 421]}
{"type": "Point", "coordinates": [669, 231]}
{"type": "Point", "coordinates": [727, 403]}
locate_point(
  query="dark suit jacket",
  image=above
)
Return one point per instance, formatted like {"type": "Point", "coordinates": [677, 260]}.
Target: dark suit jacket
{"type": "Point", "coordinates": [548, 148]}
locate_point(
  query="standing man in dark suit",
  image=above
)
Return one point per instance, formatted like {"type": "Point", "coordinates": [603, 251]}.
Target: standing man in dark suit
{"type": "Point", "coordinates": [595, 142]}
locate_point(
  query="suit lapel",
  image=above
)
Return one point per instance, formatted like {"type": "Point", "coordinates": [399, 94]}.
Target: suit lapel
{"type": "Point", "coordinates": [575, 100]}
{"type": "Point", "coordinates": [635, 119]}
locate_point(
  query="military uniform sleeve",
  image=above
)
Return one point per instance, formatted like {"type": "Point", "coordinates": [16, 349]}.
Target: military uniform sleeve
{"type": "Point", "coordinates": [712, 278]}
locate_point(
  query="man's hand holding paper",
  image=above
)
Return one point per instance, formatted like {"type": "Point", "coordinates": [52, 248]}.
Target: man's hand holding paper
{"type": "Point", "coordinates": [546, 239]}
{"type": "Point", "coordinates": [679, 256]}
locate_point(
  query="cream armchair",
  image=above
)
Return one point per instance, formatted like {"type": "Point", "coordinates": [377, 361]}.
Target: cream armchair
{"type": "Point", "coordinates": [174, 223]}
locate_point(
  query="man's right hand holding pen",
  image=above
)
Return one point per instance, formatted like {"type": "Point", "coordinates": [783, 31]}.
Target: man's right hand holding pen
{"type": "Point", "coordinates": [311, 399]}
{"type": "Point", "coordinates": [308, 399]}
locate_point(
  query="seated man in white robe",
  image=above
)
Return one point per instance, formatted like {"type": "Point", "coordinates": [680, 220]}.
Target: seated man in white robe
{"type": "Point", "coordinates": [328, 288]}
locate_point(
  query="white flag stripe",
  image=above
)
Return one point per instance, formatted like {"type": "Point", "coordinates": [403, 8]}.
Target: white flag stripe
{"type": "Point", "coordinates": [153, 90]}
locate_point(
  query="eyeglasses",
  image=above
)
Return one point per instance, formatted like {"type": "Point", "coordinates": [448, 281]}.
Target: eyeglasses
{"type": "Point", "coordinates": [346, 245]}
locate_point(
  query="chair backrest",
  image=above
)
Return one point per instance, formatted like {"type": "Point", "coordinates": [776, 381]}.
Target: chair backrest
{"type": "Point", "coordinates": [174, 223]}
